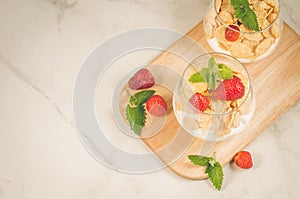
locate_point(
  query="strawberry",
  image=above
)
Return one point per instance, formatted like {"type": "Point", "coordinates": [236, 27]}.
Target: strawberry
{"type": "Point", "coordinates": [230, 89]}
{"type": "Point", "coordinates": [243, 160]}
{"type": "Point", "coordinates": [199, 101]}
{"type": "Point", "coordinates": [232, 33]}
{"type": "Point", "coordinates": [142, 79]}
{"type": "Point", "coordinates": [156, 105]}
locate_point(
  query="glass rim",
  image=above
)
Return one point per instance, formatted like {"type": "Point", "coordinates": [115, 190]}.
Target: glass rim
{"type": "Point", "coordinates": [255, 32]}
{"type": "Point", "coordinates": [230, 57]}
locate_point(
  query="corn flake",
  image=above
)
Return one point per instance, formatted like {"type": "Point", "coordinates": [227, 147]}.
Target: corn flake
{"type": "Point", "coordinates": [276, 30]}
{"type": "Point", "coordinates": [226, 17]}
{"type": "Point", "coordinates": [271, 18]}
{"type": "Point", "coordinates": [263, 5]}
{"type": "Point", "coordinates": [240, 50]}
{"type": "Point", "coordinates": [267, 33]}
{"type": "Point", "coordinates": [220, 34]}
{"type": "Point", "coordinates": [226, 5]}
{"type": "Point", "coordinates": [264, 46]}
{"type": "Point", "coordinates": [250, 44]}
{"type": "Point", "coordinates": [257, 36]}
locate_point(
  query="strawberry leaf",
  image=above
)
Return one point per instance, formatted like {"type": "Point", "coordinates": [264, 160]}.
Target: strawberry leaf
{"type": "Point", "coordinates": [199, 160]}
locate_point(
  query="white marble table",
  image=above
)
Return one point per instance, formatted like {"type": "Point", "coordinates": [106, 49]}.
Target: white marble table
{"type": "Point", "coordinates": [42, 46]}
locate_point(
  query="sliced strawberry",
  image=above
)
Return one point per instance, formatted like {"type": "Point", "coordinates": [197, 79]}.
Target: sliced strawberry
{"type": "Point", "coordinates": [156, 105]}
{"type": "Point", "coordinates": [230, 89]}
{"type": "Point", "coordinates": [199, 101]}
{"type": "Point", "coordinates": [142, 79]}
{"type": "Point", "coordinates": [243, 160]}
{"type": "Point", "coordinates": [232, 33]}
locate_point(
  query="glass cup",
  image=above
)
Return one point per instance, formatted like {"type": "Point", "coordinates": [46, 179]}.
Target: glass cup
{"type": "Point", "coordinates": [228, 34]}
{"type": "Point", "coordinates": [224, 117]}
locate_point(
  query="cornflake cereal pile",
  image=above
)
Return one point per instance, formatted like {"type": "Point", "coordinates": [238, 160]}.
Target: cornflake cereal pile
{"type": "Point", "coordinates": [233, 36]}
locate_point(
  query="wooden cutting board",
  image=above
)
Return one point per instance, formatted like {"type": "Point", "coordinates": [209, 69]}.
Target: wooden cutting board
{"type": "Point", "coordinates": [276, 85]}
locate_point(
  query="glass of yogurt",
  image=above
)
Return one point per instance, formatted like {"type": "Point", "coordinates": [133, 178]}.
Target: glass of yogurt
{"type": "Point", "coordinates": [214, 100]}
{"type": "Point", "coordinates": [249, 30]}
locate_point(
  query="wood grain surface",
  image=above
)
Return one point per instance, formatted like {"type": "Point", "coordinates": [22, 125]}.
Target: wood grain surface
{"type": "Point", "coordinates": [276, 86]}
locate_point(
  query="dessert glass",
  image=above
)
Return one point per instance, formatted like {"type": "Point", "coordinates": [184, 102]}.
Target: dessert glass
{"type": "Point", "coordinates": [251, 45]}
{"type": "Point", "coordinates": [222, 119]}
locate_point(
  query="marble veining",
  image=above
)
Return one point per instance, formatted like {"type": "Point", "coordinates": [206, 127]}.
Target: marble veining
{"type": "Point", "coordinates": [28, 81]}
{"type": "Point", "coordinates": [61, 6]}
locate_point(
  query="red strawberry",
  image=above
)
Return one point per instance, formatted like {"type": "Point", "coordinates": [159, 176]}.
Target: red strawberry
{"type": "Point", "coordinates": [199, 101]}
{"type": "Point", "coordinates": [232, 33]}
{"type": "Point", "coordinates": [243, 160]}
{"type": "Point", "coordinates": [156, 105]}
{"type": "Point", "coordinates": [230, 89]}
{"type": "Point", "coordinates": [141, 79]}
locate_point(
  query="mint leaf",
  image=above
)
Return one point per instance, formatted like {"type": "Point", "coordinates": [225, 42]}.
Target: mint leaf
{"type": "Point", "coordinates": [213, 73]}
{"type": "Point", "coordinates": [208, 168]}
{"type": "Point", "coordinates": [225, 72]}
{"type": "Point", "coordinates": [136, 117]}
{"type": "Point", "coordinates": [250, 20]}
{"type": "Point", "coordinates": [212, 161]}
{"type": "Point", "coordinates": [198, 160]}
{"type": "Point", "coordinates": [240, 12]}
{"type": "Point", "coordinates": [212, 81]}
{"type": "Point", "coordinates": [216, 175]}
{"type": "Point", "coordinates": [213, 168]}
{"type": "Point", "coordinates": [140, 97]}
{"type": "Point", "coordinates": [204, 73]}
{"type": "Point", "coordinates": [196, 78]}
{"type": "Point", "coordinates": [199, 77]}
{"type": "Point", "coordinates": [245, 13]}
{"type": "Point", "coordinates": [211, 63]}
{"type": "Point", "coordinates": [239, 3]}
{"type": "Point", "coordinates": [135, 111]}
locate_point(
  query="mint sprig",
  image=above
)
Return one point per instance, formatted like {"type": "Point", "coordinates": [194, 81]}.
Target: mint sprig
{"type": "Point", "coordinates": [212, 168]}
{"type": "Point", "coordinates": [135, 110]}
{"type": "Point", "coordinates": [212, 74]}
{"type": "Point", "coordinates": [245, 13]}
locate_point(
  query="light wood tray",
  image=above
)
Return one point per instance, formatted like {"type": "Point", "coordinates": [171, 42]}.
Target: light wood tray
{"type": "Point", "coordinates": [276, 85]}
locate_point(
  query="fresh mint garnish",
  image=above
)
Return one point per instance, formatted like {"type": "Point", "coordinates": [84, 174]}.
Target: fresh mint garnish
{"type": "Point", "coordinates": [200, 77]}
{"type": "Point", "coordinates": [212, 168]}
{"type": "Point", "coordinates": [212, 74]}
{"type": "Point", "coordinates": [141, 97]}
{"type": "Point", "coordinates": [135, 110]}
{"type": "Point", "coordinates": [245, 13]}
{"type": "Point", "coordinates": [216, 175]}
{"type": "Point", "coordinates": [225, 72]}
{"type": "Point", "coordinates": [199, 160]}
